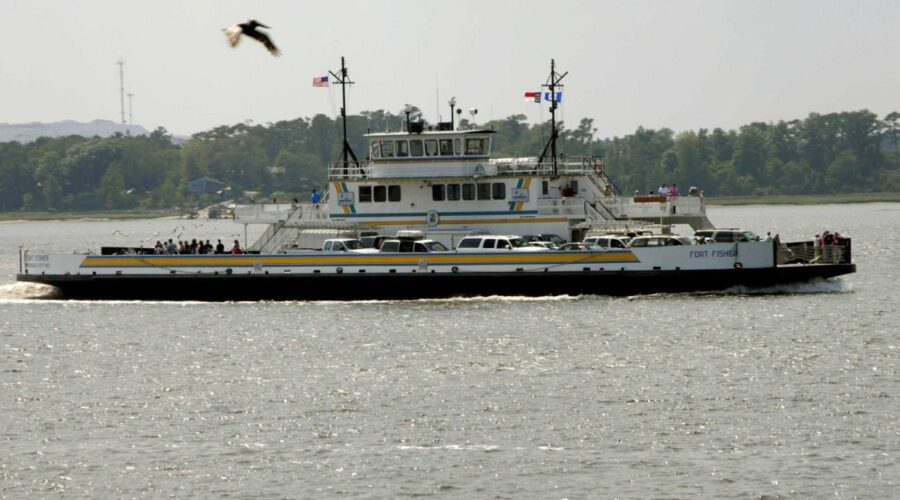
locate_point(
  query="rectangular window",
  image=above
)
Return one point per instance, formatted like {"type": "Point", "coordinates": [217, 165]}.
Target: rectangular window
{"type": "Point", "coordinates": [365, 194]}
{"type": "Point", "coordinates": [545, 188]}
{"type": "Point", "coordinates": [453, 192]}
{"type": "Point", "coordinates": [446, 147]}
{"type": "Point", "coordinates": [489, 243]}
{"type": "Point", "coordinates": [475, 146]}
{"type": "Point", "coordinates": [394, 193]}
{"type": "Point", "coordinates": [376, 150]}
{"type": "Point", "coordinates": [387, 149]}
{"type": "Point", "coordinates": [457, 147]}
{"type": "Point", "coordinates": [574, 185]}
{"type": "Point", "coordinates": [498, 191]}
{"type": "Point", "coordinates": [402, 148]}
{"type": "Point", "coordinates": [484, 191]}
{"type": "Point", "coordinates": [415, 147]}
{"type": "Point", "coordinates": [380, 193]}
{"type": "Point", "coordinates": [431, 147]}
{"type": "Point", "coordinates": [468, 191]}
{"type": "Point", "coordinates": [437, 192]}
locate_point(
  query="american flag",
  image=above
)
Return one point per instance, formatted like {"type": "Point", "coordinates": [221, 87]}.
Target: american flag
{"type": "Point", "coordinates": [320, 81]}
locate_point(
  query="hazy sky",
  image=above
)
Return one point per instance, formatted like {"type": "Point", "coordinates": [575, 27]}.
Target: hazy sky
{"type": "Point", "coordinates": [677, 64]}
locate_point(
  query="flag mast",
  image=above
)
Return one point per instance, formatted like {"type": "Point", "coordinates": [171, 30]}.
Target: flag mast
{"type": "Point", "coordinates": [554, 79]}
{"type": "Point", "coordinates": [344, 80]}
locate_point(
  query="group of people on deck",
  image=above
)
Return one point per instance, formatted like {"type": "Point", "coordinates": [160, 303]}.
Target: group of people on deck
{"type": "Point", "coordinates": [668, 191]}
{"type": "Point", "coordinates": [194, 247]}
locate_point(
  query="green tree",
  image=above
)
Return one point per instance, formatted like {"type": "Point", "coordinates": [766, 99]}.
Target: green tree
{"type": "Point", "coordinates": [112, 187]}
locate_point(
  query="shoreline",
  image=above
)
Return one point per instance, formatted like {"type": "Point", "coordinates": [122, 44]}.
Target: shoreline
{"type": "Point", "coordinates": [98, 215]}
{"type": "Point", "coordinates": [803, 199]}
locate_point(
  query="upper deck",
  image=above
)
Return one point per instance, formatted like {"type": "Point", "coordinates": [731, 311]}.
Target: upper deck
{"type": "Point", "coordinates": [444, 153]}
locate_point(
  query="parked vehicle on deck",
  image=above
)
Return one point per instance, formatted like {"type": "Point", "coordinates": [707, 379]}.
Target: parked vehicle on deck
{"type": "Point", "coordinates": [494, 242]}
{"type": "Point", "coordinates": [607, 241]}
{"type": "Point", "coordinates": [728, 235]}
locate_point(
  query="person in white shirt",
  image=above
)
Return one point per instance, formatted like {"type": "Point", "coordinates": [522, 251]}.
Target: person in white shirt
{"type": "Point", "coordinates": [663, 189]}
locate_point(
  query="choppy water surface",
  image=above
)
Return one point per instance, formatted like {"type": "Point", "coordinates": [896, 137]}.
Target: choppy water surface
{"type": "Point", "coordinates": [791, 394]}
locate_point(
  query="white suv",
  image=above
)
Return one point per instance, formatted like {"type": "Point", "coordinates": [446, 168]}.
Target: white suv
{"type": "Point", "coordinates": [496, 243]}
{"type": "Point", "coordinates": [607, 241]}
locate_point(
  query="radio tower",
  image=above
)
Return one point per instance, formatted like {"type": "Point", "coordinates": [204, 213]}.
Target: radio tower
{"type": "Point", "coordinates": [121, 64]}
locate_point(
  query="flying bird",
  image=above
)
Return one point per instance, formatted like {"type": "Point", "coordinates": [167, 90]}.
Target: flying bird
{"type": "Point", "coordinates": [233, 33]}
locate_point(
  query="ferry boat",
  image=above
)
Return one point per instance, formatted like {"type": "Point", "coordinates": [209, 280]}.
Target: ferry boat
{"type": "Point", "coordinates": [443, 182]}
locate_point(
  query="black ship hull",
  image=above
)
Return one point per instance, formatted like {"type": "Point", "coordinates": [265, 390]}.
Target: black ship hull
{"type": "Point", "coordinates": [406, 286]}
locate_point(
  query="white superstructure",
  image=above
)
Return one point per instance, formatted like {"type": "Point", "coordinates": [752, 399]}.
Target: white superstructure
{"type": "Point", "coordinates": [445, 183]}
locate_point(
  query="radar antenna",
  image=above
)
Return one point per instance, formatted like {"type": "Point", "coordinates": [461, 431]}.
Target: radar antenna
{"type": "Point", "coordinates": [553, 84]}
{"type": "Point", "coordinates": [344, 80]}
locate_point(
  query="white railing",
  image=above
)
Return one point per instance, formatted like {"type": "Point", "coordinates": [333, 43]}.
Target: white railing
{"type": "Point", "coordinates": [572, 165]}
{"type": "Point", "coordinates": [349, 169]}
{"type": "Point", "coordinates": [573, 206]}
{"type": "Point", "coordinates": [686, 206]}
{"type": "Point", "coordinates": [263, 213]}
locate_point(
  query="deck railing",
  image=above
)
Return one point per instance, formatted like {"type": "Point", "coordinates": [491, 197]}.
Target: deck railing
{"type": "Point", "coordinates": [348, 170]}
{"type": "Point", "coordinates": [806, 252]}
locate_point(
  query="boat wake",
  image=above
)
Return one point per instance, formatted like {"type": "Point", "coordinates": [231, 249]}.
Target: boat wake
{"type": "Point", "coordinates": [24, 290]}
{"type": "Point", "coordinates": [815, 286]}
{"type": "Point", "coordinates": [458, 300]}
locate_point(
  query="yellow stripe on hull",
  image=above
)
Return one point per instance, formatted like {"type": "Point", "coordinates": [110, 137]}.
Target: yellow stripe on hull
{"type": "Point", "coordinates": [357, 260]}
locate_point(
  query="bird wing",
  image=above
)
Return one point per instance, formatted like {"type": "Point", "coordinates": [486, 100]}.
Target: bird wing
{"type": "Point", "coordinates": [264, 39]}
{"type": "Point", "coordinates": [233, 34]}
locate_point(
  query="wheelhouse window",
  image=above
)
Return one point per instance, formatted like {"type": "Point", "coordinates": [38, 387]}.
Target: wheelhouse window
{"type": "Point", "coordinates": [446, 147]}
{"type": "Point", "coordinates": [380, 193]}
{"type": "Point", "coordinates": [375, 150]}
{"type": "Point", "coordinates": [457, 147]}
{"type": "Point", "coordinates": [477, 146]}
{"type": "Point", "coordinates": [415, 147]}
{"type": "Point", "coordinates": [484, 191]}
{"type": "Point", "coordinates": [365, 194]}
{"type": "Point", "coordinates": [453, 192]}
{"type": "Point", "coordinates": [468, 192]}
{"type": "Point", "coordinates": [431, 147]}
{"type": "Point", "coordinates": [394, 192]}
{"type": "Point", "coordinates": [437, 192]}
{"type": "Point", "coordinates": [498, 191]}
{"type": "Point", "coordinates": [402, 148]}
{"type": "Point", "coordinates": [387, 149]}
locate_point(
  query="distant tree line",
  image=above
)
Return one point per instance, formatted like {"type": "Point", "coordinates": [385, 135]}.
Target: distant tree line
{"type": "Point", "coordinates": [821, 154]}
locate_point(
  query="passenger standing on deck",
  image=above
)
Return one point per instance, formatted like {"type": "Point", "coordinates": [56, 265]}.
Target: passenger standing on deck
{"type": "Point", "coordinates": [673, 191]}
{"type": "Point", "coordinates": [316, 198]}
{"type": "Point", "coordinates": [220, 247]}
{"type": "Point", "coordinates": [236, 249]}
{"type": "Point", "coordinates": [663, 190]}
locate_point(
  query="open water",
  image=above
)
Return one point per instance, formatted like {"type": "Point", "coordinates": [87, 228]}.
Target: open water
{"type": "Point", "coordinates": [790, 393]}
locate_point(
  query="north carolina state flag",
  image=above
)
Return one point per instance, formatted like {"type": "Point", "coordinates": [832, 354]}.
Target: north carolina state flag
{"type": "Point", "coordinates": [533, 96]}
